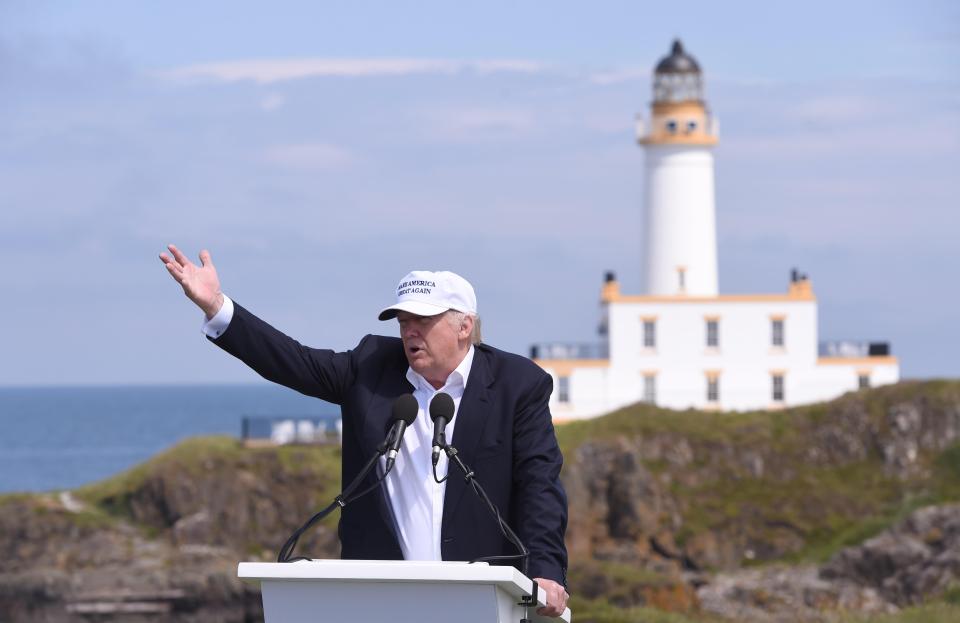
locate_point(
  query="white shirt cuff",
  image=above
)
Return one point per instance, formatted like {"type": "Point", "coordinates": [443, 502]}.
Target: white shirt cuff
{"type": "Point", "coordinates": [215, 327]}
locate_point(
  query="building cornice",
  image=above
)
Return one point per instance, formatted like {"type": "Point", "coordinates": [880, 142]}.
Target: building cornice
{"type": "Point", "coordinates": [563, 367]}
{"type": "Point", "coordinates": [885, 360]}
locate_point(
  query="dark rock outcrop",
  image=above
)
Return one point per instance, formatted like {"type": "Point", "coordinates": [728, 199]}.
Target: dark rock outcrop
{"type": "Point", "coordinates": [781, 593]}
{"type": "Point", "coordinates": [911, 563]}
{"type": "Point", "coordinates": [917, 560]}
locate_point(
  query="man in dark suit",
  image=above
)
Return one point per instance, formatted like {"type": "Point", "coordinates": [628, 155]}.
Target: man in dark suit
{"type": "Point", "coordinates": [502, 427]}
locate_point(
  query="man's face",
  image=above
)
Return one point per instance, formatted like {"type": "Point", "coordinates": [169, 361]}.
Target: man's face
{"type": "Point", "coordinates": [432, 344]}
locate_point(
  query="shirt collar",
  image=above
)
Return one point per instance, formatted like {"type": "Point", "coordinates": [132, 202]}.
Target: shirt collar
{"type": "Point", "coordinates": [457, 378]}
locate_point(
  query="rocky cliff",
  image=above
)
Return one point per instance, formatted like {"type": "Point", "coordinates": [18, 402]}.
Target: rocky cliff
{"type": "Point", "coordinates": [734, 515]}
{"type": "Point", "coordinates": [161, 542]}
{"type": "Point", "coordinates": [696, 497]}
{"type": "Point", "coordinates": [718, 490]}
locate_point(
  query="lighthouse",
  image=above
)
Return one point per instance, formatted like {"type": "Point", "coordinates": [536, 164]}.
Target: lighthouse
{"type": "Point", "coordinates": [680, 342]}
{"type": "Point", "coordinates": [680, 250]}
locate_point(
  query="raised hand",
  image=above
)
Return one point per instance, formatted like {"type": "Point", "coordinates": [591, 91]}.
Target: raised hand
{"type": "Point", "coordinates": [200, 283]}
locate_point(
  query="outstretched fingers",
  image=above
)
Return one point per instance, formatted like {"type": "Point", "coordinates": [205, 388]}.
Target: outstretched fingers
{"type": "Point", "coordinates": [166, 259]}
{"type": "Point", "coordinates": [205, 258]}
{"type": "Point", "coordinates": [178, 255]}
{"type": "Point", "coordinates": [175, 271]}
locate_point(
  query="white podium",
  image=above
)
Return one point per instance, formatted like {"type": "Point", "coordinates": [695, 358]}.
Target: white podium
{"type": "Point", "coordinates": [356, 591]}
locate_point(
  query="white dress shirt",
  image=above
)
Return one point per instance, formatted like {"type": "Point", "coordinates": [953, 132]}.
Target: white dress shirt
{"type": "Point", "coordinates": [416, 499]}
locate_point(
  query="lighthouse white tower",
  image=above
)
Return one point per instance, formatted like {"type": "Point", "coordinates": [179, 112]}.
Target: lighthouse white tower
{"type": "Point", "coordinates": [680, 255]}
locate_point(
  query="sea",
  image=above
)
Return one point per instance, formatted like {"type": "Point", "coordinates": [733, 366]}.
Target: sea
{"type": "Point", "coordinates": [54, 438]}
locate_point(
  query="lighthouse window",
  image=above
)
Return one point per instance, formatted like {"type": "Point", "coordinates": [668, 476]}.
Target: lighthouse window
{"type": "Point", "coordinates": [777, 387]}
{"type": "Point", "coordinates": [563, 389]}
{"type": "Point", "coordinates": [649, 334]}
{"type": "Point", "coordinates": [649, 388]}
{"type": "Point", "coordinates": [713, 334]}
{"type": "Point", "coordinates": [672, 126]}
{"type": "Point", "coordinates": [777, 332]}
{"type": "Point", "coordinates": [713, 389]}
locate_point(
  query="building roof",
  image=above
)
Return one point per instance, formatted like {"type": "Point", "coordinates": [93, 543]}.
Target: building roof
{"type": "Point", "coordinates": [678, 62]}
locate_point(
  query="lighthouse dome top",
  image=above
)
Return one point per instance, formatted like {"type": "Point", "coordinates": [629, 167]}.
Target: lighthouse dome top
{"type": "Point", "coordinates": [678, 61]}
{"type": "Point", "coordinates": [677, 78]}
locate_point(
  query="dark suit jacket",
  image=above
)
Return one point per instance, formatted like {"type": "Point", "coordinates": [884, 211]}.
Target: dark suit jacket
{"type": "Point", "coordinates": [504, 432]}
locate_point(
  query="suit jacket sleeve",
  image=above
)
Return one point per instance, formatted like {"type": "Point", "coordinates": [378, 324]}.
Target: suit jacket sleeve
{"type": "Point", "coordinates": [321, 373]}
{"type": "Point", "coordinates": [539, 498]}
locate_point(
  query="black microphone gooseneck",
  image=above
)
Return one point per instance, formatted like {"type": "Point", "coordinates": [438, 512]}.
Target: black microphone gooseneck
{"type": "Point", "coordinates": [405, 409]}
{"type": "Point", "coordinates": [402, 417]}
{"type": "Point", "coordinates": [528, 601]}
{"type": "Point", "coordinates": [441, 412]}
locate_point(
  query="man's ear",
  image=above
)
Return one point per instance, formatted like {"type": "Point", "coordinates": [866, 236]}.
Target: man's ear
{"type": "Point", "coordinates": [466, 327]}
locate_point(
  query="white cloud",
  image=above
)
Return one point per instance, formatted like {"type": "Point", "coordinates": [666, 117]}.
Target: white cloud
{"type": "Point", "coordinates": [280, 70]}
{"type": "Point", "coordinates": [272, 101]}
{"type": "Point", "coordinates": [480, 123]}
{"type": "Point", "coordinates": [641, 73]}
{"type": "Point", "coordinates": [309, 156]}
{"type": "Point", "coordinates": [934, 136]}
{"type": "Point", "coordinates": [834, 108]}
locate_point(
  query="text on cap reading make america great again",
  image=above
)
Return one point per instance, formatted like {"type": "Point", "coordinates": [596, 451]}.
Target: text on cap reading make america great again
{"type": "Point", "coordinates": [415, 287]}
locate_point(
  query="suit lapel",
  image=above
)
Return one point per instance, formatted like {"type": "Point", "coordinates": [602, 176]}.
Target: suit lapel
{"type": "Point", "coordinates": [471, 418]}
{"type": "Point", "coordinates": [376, 422]}
{"type": "Point", "coordinates": [376, 417]}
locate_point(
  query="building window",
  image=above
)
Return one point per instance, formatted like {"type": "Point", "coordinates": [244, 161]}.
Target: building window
{"type": "Point", "coordinates": [672, 126]}
{"type": "Point", "coordinates": [649, 334]}
{"type": "Point", "coordinates": [682, 279]}
{"type": "Point", "coordinates": [713, 333]}
{"type": "Point", "coordinates": [649, 389]}
{"type": "Point", "coordinates": [563, 389]}
{"type": "Point", "coordinates": [776, 327]}
{"type": "Point", "coordinates": [777, 388]}
{"type": "Point", "coordinates": [713, 389]}
{"type": "Point", "coordinates": [691, 126]}
{"type": "Point", "coordinates": [863, 380]}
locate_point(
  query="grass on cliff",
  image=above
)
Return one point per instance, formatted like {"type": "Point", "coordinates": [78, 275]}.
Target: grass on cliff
{"type": "Point", "coordinates": [214, 457]}
{"type": "Point", "coordinates": [188, 455]}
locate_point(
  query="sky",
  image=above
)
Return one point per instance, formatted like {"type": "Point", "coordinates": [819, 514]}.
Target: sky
{"type": "Point", "coordinates": [321, 151]}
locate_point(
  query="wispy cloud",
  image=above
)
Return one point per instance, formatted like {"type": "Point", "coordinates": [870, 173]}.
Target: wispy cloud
{"type": "Point", "coordinates": [834, 108]}
{"type": "Point", "coordinates": [309, 156]}
{"type": "Point", "coordinates": [481, 123]}
{"type": "Point", "coordinates": [637, 73]}
{"type": "Point", "coordinates": [272, 101]}
{"type": "Point", "coordinates": [264, 71]}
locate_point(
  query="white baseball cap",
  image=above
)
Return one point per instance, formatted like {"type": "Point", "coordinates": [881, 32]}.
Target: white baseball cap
{"type": "Point", "coordinates": [428, 293]}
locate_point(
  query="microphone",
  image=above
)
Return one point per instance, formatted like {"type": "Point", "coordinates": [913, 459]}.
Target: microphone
{"type": "Point", "coordinates": [441, 412]}
{"type": "Point", "coordinates": [405, 409]}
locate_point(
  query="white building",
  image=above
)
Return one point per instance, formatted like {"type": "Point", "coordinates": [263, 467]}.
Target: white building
{"type": "Point", "coordinates": [682, 344]}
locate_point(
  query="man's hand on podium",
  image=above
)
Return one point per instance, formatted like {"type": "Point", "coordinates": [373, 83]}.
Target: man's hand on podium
{"type": "Point", "coordinates": [200, 283]}
{"type": "Point", "coordinates": [555, 596]}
